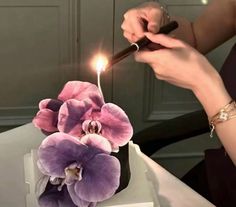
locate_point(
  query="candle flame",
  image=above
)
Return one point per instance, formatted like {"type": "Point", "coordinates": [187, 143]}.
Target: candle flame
{"type": "Point", "coordinates": [204, 1]}
{"type": "Point", "coordinates": [99, 63]}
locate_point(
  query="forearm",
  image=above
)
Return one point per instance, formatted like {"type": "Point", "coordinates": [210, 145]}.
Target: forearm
{"type": "Point", "coordinates": [184, 31]}
{"type": "Point", "coordinates": [213, 96]}
{"type": "Point", "coordinates": [211, 93]}
{"type": "Point", "coordinates": [214, 26]}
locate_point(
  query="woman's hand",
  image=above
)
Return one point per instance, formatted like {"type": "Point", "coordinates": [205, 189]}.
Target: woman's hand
{"type": "Point", "coordinates": [181, 65]}
{"type": "Point", "coordinates": [149, 16]}
{"type": "Point", "coordinates": [177, 63]}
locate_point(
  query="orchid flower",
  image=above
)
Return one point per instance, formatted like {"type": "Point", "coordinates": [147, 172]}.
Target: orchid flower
{"type": "Point", "coordinates": [78, 118]}
{"type": "Point", "coordinates": [47, 117]}
{"type": "Point", "coordinates": [85, 167]}
{"type": "Point", "coordinates": [51, 197]}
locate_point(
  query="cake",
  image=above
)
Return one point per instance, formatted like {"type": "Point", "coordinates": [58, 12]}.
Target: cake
{"type": "Point", "coordinates": [84, 158]}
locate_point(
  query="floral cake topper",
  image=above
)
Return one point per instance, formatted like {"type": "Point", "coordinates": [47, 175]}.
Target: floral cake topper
{"type": "Point", "coordinates": [76, 156]}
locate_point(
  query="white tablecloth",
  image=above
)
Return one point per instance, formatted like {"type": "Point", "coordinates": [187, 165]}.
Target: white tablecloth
{"type": "Point", "coordinates": [14, 144]}
{"type": "Point", "coordinates": [170, 190]}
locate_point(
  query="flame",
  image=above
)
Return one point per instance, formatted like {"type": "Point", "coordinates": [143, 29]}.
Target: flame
{"type": "Point", "coordinates": [100, 62]}
{"type": "Point", "coordinates": [204, 1]}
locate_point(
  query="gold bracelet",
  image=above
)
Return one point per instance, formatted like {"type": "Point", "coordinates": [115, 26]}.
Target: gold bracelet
{"type": "Point", "coordinates": [226, 113]}
{"type": "Point", "coordinates": [163, 7]}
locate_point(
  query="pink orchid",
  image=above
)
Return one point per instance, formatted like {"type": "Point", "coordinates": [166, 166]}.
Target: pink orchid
{"type": "Point", "coordinates": [47, 117]}
{"type": "Point", "coordinates": [78, 118]}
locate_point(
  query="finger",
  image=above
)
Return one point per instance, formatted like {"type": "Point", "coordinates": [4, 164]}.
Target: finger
{"type": "Point", "coordinates": [145, 56]}
{"type": "Point", "coordinates": [152, 13]}
{"type": "Point", "coordinates": [128, 32]}
{"type": "Point", "coordinates": [136, 25]}
{"type": "Point", "coordinates": [154, 20]}
{"type": "Point", "coordinates": [125, 26]}
{"type": "Point", "coordinates": [130, 36]}
{"type": "Point", "coordinates": [159, 72]}
{"type": "Point", "coordinates": [159, 77]}
{"type": "Point", "coordinates": [153, 27]}
{"type": "Point", "coordinates": [164, 40]}
{"type": "Point", "coordinates": [133, 23]}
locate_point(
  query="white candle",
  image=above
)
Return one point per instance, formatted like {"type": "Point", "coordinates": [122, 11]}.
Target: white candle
{"type": "Point", "coordinates": [99, 63]}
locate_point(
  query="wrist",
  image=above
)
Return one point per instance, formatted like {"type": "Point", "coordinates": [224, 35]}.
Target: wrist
{"type": "Point", "coordinates": [212, 94]}
{"type": "Point", "coordinates": [185, 31]}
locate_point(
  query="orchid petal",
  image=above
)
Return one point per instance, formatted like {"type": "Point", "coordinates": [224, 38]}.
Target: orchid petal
{"type": "Point", "coordinates": [46, 119]}
{"type": "Point", "coordinates": [54, 198]}
{"type": "Point", "coordinates": [77, 200]}
{"type": "Point", "coordinates": [71, 116]}
{"type": "Point", "coordinates": [116, 126]}
{"type": "Point", "coordinates": [43, 103]}
{"type": "Point", "coordinates": [115, 148]}
{"type": "Point", "coordinates": [101, 178]}
{"type": "Point", "coordinates": [81, 90]}
{"type": "Point", "coordinates": [41, 168]}
{"type": "Point", "coordinates": [92, 205]}
{"type": "Point", "coordinates": [52, 104]}
{"type": "Point", "coordinates": [97, 141]}
{"type": "Point", "coordinates": [41, 185]}
{"type": "Point", "coordinates": [58, 151]}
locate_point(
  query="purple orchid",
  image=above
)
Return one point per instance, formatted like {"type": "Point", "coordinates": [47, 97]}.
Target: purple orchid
{"type": "Point", "coordinates": [79, 117]}
{"type": "Point", "coordinates": [47, 117]}
{"type": "Point", "coordinates": [85, 167]}
{"type": "Point", "coordinates": [51, 197]}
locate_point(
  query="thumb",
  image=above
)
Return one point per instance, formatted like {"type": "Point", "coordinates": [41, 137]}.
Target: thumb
{"type": "Point", "coordinates": [153, 27]}
{"type": "Point", "coordinates": [163, 40]}
{"type": "Point", "coordinates": [151, 20]}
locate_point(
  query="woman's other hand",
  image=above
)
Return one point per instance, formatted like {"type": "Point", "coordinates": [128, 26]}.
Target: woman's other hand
{"type": "Point", "coordinates": [149, 17]}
